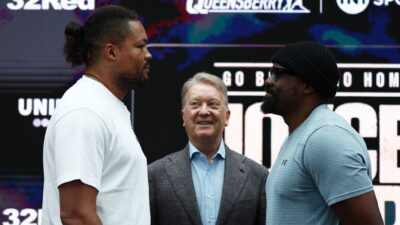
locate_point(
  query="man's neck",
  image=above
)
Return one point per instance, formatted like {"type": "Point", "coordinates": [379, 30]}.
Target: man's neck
{"type": "Point", "coordinates": [107, 81]}
{"type": "Point", "coordinates": [298, 116]}
{"type": "Point", "coordinates": [207, 146]}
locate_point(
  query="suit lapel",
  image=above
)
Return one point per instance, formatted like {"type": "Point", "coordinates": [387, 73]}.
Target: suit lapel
{"type": "Point", "coordinates": [234, 180]}
{"type": "Point", "coordinates": [179, 174]}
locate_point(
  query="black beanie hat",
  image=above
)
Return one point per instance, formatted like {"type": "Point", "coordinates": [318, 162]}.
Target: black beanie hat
{"type": "Point", "coordinates": [313, 62]}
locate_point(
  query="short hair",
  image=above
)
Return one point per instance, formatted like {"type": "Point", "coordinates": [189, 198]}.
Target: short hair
{"type": "Point", "coordinates": [108, 24]}
{"type": "Point", "coordinates": [205, 78]}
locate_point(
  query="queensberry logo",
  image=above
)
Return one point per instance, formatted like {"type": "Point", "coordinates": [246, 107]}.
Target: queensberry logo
{"type": "Point", "coordinates": [245, 6]}
{"type": "Point", "coordinates": [51, 4]}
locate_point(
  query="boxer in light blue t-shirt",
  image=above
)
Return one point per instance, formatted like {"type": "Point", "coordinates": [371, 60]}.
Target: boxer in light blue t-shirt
{"type": "Point", "coordinates": [322, 175]}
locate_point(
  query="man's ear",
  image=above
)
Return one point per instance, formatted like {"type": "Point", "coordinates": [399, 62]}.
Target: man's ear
{"type": "Point", "coordinates": [183, 119]}
{"type": "Point", "coordinates": [308, 89]}
{"type": "Point", "coordinates": [110, 52]}
{"type": "Point", "coordinates": [228, 115]}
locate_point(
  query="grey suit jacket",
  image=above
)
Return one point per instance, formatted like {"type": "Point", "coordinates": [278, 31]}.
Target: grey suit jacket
{"type": "Point", "coordinates": [173, 198]}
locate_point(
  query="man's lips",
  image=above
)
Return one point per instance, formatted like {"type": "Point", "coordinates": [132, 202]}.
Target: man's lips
{"type": "Point", "coordinates": [269, 92]}
{"type": "Point", "coordinates": [204, 122]}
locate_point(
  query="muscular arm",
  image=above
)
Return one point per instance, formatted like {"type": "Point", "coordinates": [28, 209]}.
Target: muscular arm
{"type": "Point", "coordinates": [360, 210]}
{"type": "Point", "coordinates": [339, 164]}
{"type": "Point", "coordinates": [78, 204]}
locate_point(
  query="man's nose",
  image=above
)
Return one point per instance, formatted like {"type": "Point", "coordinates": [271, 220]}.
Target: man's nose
{"type": "Point", "coordinates": [269, 81]}
{"type": "Point", "coordinates": [204, 109]}
{"type": "Point", "coordinates": [148, 55]}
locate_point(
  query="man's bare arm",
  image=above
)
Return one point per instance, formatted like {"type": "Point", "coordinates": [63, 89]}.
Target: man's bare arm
{"type": "Point", "coordinates": [78, 204]}
{"type": "Point", "coordinates": [360, 210]}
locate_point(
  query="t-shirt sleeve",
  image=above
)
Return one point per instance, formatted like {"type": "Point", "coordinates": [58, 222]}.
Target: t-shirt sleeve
{"type": "Point", "coordinates": [338, 163]}
{"type": "Point", "coordinates": [80, 147]}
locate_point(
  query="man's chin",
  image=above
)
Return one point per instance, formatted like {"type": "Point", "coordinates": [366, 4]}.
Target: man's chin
{"type": "Point", "coordinates": [134, 81]}
{"type": "Point", "coordinates": [139, 84]}
{"type": "Point", "coordinates": [267, 106]}
{"type": "Point", "coordinates": [205, 134]}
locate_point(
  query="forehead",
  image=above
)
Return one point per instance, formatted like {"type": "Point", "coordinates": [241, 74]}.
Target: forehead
{"type": "Point", "coordinates": [204, 91]}
{"type": "Point", "coordinates": [138, 32]}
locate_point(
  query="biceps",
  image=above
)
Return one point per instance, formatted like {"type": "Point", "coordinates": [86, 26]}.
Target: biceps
{"type": "Point", "coordinates": [362, 209]}
{"type": "Point", "coordinates": [77, 198]}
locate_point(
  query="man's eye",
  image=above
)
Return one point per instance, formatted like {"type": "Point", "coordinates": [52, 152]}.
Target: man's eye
{"type": "Point", "coordinates": [193, 104]}
{"type": "Point", "coordinates": [214, 105]}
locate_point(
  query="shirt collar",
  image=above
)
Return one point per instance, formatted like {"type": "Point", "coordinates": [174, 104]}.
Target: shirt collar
{"type": "Point", "coordinates": [221, 150]}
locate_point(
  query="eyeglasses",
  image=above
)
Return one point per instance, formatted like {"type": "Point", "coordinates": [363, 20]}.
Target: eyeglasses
{"type": "Point", "coordinates": [276, 73]}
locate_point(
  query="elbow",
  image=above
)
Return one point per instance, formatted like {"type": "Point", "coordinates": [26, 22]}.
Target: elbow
{"type": "Point", "coordinates": [68, 219]}
{"type": "Point", "coordinates": [79, 216]}
{"type": "Point", "coordinates": [71, 217]}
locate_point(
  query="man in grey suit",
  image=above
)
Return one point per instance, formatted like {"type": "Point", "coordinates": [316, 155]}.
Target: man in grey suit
{"type": "Point", "coordinates": [206, 183]}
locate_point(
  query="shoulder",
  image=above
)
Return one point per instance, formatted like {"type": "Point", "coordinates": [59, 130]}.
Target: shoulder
{"type": "Point", "coordinates": [326, 120]}
{"type": "Point", "coordinates": [334, 135]}
{"type": "Point", "coordinates": [79, 121]}
{"type": "Point", "coordinates": [170, 158]}
{"type": "Point", "coordinates": [255, 167]}
{"type": "Point", "coordinates": [86, 93]}
{"type": "Point", "coordinates": [335, 146]}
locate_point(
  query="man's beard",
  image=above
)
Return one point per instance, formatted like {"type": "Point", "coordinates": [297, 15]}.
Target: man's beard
{"type": "Point", "coordinates": [280, 103]}
{"type": "Point", "coordinates": [134, 82]}
{"type": "Point", "coordinates": [269, 103]}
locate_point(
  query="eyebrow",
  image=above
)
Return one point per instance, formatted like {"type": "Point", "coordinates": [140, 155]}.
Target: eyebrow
{"type": "Point", "coordinates": [142, 42]}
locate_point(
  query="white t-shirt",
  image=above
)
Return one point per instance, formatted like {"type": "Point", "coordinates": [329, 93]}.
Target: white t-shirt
{"type": "Point", "coordinates": [90, 138]}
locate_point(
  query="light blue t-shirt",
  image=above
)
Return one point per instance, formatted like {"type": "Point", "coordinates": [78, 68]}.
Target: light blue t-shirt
{"type": "Point", "coordinates": [322, 162]}
{"type": "Point", "coordinates": [208, 180]}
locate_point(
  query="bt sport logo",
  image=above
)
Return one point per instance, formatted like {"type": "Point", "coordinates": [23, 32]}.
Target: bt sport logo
{"type": "Point", "coordinates": [354, 7]}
